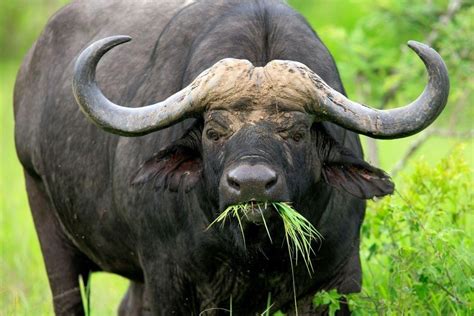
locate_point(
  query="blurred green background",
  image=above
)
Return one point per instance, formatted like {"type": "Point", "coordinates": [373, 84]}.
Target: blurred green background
{"type": "Point", "coordinates": [368, 41]}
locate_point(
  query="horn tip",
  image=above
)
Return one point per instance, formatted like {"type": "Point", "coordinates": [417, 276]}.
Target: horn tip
{"type": "Point", "coordinates": [119, 39]}
{"type": "Point", "coordinates": [417, 46]}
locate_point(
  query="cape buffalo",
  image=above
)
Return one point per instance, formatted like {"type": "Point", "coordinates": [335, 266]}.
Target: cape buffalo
{"type": "Point", "coordinates": [250, 108]}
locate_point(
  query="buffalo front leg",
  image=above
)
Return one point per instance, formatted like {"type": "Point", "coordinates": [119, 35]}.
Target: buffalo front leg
{"type": "Point", "coordinates": [168, 290]}
{"type": "Point", "coordinates": [64, 263]}
{"type": "Point", "coordinates": [135, 303]}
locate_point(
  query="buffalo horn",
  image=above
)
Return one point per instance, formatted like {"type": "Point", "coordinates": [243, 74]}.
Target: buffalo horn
{"type": "Point", "coordinates": [122, 120]}
{"type": "Point", "coordinates": [393, 123]}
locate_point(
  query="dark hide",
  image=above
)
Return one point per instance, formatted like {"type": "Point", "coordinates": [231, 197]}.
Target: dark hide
{"type": "Point", "coordinates": [139, 207]}
{"type": "Point", "coordinates": [342, 169]}
{"type": "Point", "coordinates": [177, 166]}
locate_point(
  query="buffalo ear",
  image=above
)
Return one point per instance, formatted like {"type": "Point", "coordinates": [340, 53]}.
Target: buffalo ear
{"type": "Point", "coordinates": [362, 181]}
{"type": "Point", "coordinates": [178, 166]}
{"type": "Point", "coordinates": [342, 169]}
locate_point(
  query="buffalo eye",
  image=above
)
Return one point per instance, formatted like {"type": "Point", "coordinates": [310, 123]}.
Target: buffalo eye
{"type": "Point", "coordinates": [298, 136]}
{"type": "Point", "coordinates": [213, 135]}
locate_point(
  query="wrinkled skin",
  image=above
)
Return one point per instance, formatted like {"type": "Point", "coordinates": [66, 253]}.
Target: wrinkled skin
{"type": "Point", "coordinates": [280, 140]}
{"type": "Point", "coordinates": [139, 207]}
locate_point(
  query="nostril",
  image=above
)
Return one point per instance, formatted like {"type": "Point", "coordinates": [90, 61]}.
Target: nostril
{"type": "Point", "coordinates": [271, 183]}
{"type": "Point", "coordinates": [248, 182]}
{"type": "Point", "coordinates": [233, 184]}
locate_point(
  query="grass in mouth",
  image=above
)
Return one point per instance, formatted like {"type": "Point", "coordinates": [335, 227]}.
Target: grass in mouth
{"type": "Point", "coordinates": [299, 232]}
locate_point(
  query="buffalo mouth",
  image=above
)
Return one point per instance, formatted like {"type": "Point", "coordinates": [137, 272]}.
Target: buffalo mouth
{"type": "Point", "coordinates": [254, 211]}
{"type": "Point", "coordinates": [250, 212]}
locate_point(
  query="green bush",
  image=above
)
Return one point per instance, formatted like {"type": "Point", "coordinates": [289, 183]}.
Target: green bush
{"type": "Point", "coordinates": [417, 247]}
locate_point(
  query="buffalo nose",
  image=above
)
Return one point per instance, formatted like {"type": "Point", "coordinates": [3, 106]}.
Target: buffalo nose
{"type": "Point", "coordinates": [258, 177]}
{"type": "Point", "coordinates": [246, 182]}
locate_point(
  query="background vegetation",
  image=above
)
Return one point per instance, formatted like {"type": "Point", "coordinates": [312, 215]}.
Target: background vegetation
{"type": "Point", "coordinates": [417, 245]}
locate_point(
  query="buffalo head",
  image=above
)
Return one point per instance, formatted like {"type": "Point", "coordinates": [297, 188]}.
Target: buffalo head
{"type": "Point", "coordinates": [259, 138]}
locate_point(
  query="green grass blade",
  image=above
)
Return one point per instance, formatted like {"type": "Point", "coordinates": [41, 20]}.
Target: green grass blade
{"type": "Point", "coordinates": [265, 223]}
{"type": "Point", "coordinates": [299, 232]}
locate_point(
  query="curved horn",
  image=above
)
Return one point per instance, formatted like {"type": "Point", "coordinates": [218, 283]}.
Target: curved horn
{"type": "Point", "coordinates": [387, 124]}
{"type": "Point", "coordinates": [121, 120]}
